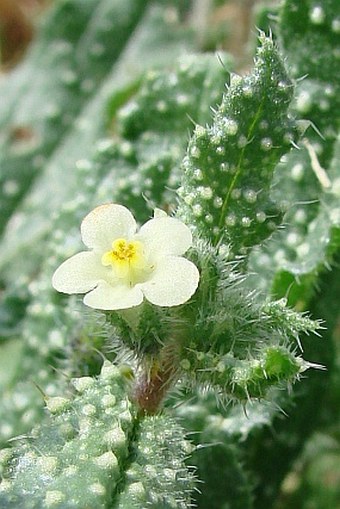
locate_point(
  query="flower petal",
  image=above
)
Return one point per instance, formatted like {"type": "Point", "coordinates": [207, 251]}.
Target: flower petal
{"type": "Point", "coordinates": [79, 274]}
{"type": "Point", "coordinates": [108, 297]}
{"type": "Point", "coordinates": [165, 236]}
{"type": "Point", "coordinates": [106, 223]}
{"type": "Point", "coordinates": [174, 281]}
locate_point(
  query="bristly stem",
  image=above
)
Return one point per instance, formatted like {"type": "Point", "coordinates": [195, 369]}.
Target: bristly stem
{"type": "Point", "coordinates": [152, 385]}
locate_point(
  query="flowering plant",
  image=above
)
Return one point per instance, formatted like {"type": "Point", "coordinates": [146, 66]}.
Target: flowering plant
{"type": "Point", "coordinates": [195, 321]}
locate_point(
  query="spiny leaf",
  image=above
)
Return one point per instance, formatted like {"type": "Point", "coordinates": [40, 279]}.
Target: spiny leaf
{"type": "Point", "coordinates": [158, 476]}
{"type": "Point", "coordinates": [94, 451]}
{"type": "Point", "coordinates": [223, 193]}
{"type": "Point", "coordinates": [249, 378]}
{"type": "Point", "coordinates": [307, 179]}
{"type": "Point", "coordinates": [76, 459]}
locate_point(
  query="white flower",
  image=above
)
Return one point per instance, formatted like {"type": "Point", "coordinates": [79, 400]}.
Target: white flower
{"type": "Point", "coordinates": [124, 265]}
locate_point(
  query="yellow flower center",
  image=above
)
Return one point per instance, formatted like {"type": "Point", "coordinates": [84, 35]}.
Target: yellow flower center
{"type": "Point", "coordinates": [125, 257]}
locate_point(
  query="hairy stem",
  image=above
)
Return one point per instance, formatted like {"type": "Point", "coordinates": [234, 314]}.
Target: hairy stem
{"type": "Point", "coordinates": [152, 385]}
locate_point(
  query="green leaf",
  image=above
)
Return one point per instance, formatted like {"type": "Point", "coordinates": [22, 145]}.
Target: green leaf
{"type": "Point", "coordinates": [308, 25]}
{"type": "Point", "coordinates": [93, 451]}
{"type": "Point", "coordinates": [307, 179]}
{"type": "Point", "coordinates": [77, 458]}
{"type": "Point", "coordinates": [219, 467]}
{"type": "Point", "coordinates": [229, 166]}
{"type": "Point", "coordinates": [158, 476]}
{"type": "Point", "coordinates": [249, 378]}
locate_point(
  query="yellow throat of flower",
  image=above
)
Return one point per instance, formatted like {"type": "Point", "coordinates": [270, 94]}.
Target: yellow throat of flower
{"type": "Point", "coordinates": [124, 257]}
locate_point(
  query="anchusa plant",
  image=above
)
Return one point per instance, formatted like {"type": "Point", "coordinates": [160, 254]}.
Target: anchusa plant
{"type": "Point", "coordinates": [208, 205]}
